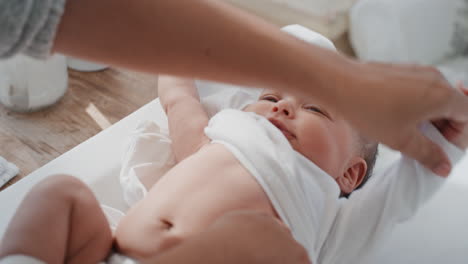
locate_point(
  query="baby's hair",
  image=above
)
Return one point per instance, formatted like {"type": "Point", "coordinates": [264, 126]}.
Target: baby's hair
{"type": "Point", "coordinates": [368, 150]}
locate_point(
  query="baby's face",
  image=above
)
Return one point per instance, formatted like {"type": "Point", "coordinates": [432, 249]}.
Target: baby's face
{"type": "Point", "coordinates": [320, 135]}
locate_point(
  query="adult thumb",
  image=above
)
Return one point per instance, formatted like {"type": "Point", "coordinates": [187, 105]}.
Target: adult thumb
{"type": "Point", "coordinates": [428, 153]}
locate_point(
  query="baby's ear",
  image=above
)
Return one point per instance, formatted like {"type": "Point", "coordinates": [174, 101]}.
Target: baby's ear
{"type": "Point", "coordinates": [353, 175]}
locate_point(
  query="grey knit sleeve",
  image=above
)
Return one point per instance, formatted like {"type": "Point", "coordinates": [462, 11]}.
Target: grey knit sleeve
{"type": "Point", "coordinates": [29, 26]}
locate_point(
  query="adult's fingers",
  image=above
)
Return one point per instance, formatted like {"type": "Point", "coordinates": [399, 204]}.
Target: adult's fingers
{"type": "Point", "coordinates": [428, 153]}
{"type": "Point", "coordinates": [462, 88]}
{"type": "Point", "coordinates": [458, 106]}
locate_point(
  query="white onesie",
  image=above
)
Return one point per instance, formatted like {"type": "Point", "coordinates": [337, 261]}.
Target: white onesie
{"type": "Point", "coordinates": [333, 230]}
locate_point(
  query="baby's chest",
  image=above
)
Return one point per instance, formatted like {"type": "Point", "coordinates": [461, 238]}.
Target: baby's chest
{"type": "Point", "coordinates": [209, 184]}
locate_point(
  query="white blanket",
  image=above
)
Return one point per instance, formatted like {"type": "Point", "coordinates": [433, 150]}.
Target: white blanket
{"type": "Point", "coordinates": [333, 230]}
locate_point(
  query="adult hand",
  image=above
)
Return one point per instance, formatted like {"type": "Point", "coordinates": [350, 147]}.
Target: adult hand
{"type": "Point", "coordinates": [388, 102]}
{"type": "Point", "coordinates": [455, 132]}
{"type": "Point", "coordinates": [239, 237]}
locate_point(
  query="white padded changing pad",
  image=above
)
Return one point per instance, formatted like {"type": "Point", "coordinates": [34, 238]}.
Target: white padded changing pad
{"type": "Point", "coordinates": [95, 161]}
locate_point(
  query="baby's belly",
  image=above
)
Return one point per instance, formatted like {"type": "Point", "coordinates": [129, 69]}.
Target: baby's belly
{"type": "Point", "coordinates": [187, 200]}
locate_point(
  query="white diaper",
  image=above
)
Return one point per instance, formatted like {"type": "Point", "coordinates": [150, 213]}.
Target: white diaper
{"type": "Point", "coordinates": [116, 258]}
{"type": "Point", "coordinates": [113, 216]}
{"type": "Point", "coordinates": [20, 259]}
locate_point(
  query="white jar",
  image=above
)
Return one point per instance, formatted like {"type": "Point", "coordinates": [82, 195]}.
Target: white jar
{"type": "Point", "coordinates": [27, 84]}
{"type": "Point", "coordinates": [84, 66]}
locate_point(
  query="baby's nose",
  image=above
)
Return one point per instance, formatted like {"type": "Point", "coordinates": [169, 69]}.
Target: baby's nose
{"type": "Point", "coordinates": [283, 107]}
{"type": "Point", "coordinates": [284, 110]}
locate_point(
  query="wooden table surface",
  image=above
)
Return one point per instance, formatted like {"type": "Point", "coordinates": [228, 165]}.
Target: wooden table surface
{"type": "Point", "coordinates": [93, 102]}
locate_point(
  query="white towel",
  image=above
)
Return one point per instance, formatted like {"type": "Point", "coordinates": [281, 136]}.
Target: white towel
{"type": "Point", "coordinates": [7, 171]}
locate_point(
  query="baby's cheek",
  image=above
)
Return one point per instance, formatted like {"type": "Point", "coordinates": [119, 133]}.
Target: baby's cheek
{"type": "Point", "coordinates": [258, 108]}
{"type": "Point", "coordinates": [321, 151]}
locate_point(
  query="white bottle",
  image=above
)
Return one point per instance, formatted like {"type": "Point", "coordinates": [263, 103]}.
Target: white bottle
{"type": "Point", "coordinates": [27, 84]}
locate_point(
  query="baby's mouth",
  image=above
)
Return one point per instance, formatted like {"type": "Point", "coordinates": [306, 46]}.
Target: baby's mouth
{"type": "Point", "coordinates": [278, 124]}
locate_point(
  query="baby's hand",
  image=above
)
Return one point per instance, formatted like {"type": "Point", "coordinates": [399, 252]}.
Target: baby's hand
{"type": "Point", "coordinates": [455, 132]}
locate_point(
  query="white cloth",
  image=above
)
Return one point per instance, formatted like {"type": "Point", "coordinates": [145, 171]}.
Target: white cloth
{"type": "Point", "coordinates": [113, 216]}
{"type": "Point", "coordinates": [20, 259]}
{"type": "Point", "coordinates": [225, 96]}
{"type": "Point", "coordinates": [8, 170]}
{"type": "Point", "coordinates": [309, 36]}
{"type": "Point", "coordinates": [332, 229]}
{"type": "Point", "coordinates": [148, 155]}
{"type": "Point", "coordinates": [116, 258]}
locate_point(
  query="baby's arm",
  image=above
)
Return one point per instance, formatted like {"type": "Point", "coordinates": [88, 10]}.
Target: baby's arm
{"type": "Point", "coordinates": [186, 116]}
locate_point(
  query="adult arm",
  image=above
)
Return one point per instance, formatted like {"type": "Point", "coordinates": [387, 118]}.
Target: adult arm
{"type": "Point", "coordinates": [393, 196]}
{"type": "Point", "coordinates": [208, 39]}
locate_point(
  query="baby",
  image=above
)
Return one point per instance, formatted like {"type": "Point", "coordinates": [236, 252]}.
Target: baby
{"type": "Point", "coordinates": [219, 164]}
{"type": "Point", "coordinates": [209, 180]}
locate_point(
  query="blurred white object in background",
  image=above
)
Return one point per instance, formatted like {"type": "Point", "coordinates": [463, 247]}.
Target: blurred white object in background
{"type": "Point", "coordinates": [28, 84]}
{"type": "Point", "coordinates": [431, 32]}
{"type": "Point", "coordinates": [85, 66]}
{"type": "Point", "coordinates": [414, 31]}
{"type": "Point", "coordinates": [328, 17]}
{"type": "Point", "coordinates": [455, 70]}
{"type": "Point", "coordinates": [318, 7]}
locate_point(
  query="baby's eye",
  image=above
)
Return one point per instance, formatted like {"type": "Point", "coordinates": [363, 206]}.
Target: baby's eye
{"type": "Point", "coordinates": [313, 108]}
{"type": "Point", "coordinates": [270, 98]}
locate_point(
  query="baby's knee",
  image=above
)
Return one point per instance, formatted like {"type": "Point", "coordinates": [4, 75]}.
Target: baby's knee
{"type": "Point", "coordinates": [62, 186]}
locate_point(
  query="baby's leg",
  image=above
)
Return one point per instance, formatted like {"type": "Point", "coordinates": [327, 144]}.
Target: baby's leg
{"type": "Point", "coordinates": [59, 221]}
